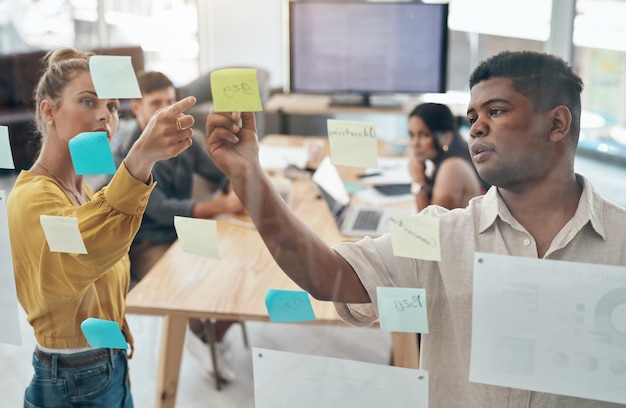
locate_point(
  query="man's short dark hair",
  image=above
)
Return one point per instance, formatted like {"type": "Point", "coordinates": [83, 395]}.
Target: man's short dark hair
{"type": "Point", "coordinates": [548, 81]}
{"type": "Point", "coordinates": [150, 81]}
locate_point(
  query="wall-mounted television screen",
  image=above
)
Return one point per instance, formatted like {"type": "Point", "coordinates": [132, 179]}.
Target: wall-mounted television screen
{"type": "Point", "coordinates": [367, 48]}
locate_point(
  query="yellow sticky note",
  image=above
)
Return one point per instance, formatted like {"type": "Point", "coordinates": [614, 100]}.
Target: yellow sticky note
{"type": "Point", "coordinates": [235, 90]}
{"type": "Point", "coordinates": [415, 236]}
{"type": "Point", "coordinates": [353, 143]}
{"type": "Point", "coordinates": [62, 234]}
{"type": "Point", "coordinates": [197, 236]}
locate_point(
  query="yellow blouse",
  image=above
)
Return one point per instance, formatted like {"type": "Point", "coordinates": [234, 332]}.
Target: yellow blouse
{"type": "Point", "coordinates": [60, 290]}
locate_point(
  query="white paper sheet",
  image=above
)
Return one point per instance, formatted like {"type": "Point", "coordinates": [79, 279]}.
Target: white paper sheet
{"type": "Point", "coordinates": [278, 157]}
{"type": "Point", "coordinates": [9, 312]}
{"type": "Point", "coordinates": [286, 380]}
{"type": "Point", "coordinates": [551, 326]}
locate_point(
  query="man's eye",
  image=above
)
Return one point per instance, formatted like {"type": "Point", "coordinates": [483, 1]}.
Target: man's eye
{"type": "Point", "coordinates": [471, 120]}
{"type": "Point", "coordinates": [495, 111]}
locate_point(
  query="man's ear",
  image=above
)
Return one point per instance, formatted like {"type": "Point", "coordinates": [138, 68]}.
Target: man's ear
{"type": "Point", "coordinates": [561, 123]}
{"type": "Point", "coordinates": [134, 106]}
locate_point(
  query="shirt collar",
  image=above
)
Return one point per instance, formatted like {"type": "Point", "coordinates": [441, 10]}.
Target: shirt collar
{"type": "Point", "coordinates": [590, 210]}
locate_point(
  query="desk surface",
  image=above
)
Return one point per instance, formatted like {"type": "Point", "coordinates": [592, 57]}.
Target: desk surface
{"type": "Point", "coordinates": [234, 287]}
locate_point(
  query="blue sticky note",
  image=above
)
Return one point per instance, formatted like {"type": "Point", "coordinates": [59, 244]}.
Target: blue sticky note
{"type": "Point", "coordinates": [288, 306]}
{"type": "Point", "coordinates": [103, 333]}
{"type": "Point", "coordinates": [113, 77]}
{"type": "Point", "coordinates": [402, 309]}
{"type": "Point", "coordinates": [91, 153]}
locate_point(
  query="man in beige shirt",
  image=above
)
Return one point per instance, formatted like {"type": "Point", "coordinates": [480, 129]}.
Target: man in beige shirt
{"type": "Point", "coordinates": [524, 113]}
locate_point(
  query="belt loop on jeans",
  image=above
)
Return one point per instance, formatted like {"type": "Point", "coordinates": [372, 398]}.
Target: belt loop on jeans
{"type": "Point", "coordinates": [53, 369]}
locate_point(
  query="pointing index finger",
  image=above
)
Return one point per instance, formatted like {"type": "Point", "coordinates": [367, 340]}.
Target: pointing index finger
{"type": "Point", "coordinates": [179, 107]}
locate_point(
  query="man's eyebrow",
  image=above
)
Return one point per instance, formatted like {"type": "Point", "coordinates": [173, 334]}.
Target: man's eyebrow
{"type": "Point", "coordinates": [489, 102]}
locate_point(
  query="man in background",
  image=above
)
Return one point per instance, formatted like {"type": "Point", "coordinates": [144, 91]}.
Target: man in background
{"type": "Point", "coordinates": [171, 197]}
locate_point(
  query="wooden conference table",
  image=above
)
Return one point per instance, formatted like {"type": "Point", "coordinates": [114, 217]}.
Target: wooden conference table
{"type": "Point", "coordinates": [183, 285]}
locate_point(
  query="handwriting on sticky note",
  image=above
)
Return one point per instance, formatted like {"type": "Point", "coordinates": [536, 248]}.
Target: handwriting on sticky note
{"type": "Point", "coordinates": [197, 236]}
{"type": "Point", "coordinates": [62, 234]}
{"type": "Point", "coordinates": [288, 306]}
{"type": "Point", "coordinates": [353, 143]}
{"type": "Point", "coordinates": [402, 309]}
{"type": "Point", "coordinates": [91, 153]}
{"type": "Point", "coordinates": [114, 77]}
{"type": "Point", "coordinates": [103, 333]}
{"type": "Point", "coordinates": [416, 237]}
{"type": "Point", "coordinates": [235, 90]}
{"type": "Point", "coordinates": [6, 157]}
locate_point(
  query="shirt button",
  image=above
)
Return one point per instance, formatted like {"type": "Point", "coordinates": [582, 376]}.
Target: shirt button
{"type": "Point", "coordinates": [526, 242]}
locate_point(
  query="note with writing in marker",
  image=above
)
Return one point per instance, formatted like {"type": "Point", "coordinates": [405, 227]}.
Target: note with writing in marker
{"type": "Point", "coordinates": [235, 90]}
{"type": "Point", "coordinates": [415, 236]}
{"type": "Point", "coordinates": [62, 234]}
{"type": "Point", "coordinates": [197, 236]}
{"type": "Point", "coordinates": [103, 333]}
{"type": "Point", "coordinates": [402, 309]}
{"type": "Point", "coordinates": [6, 157]}
{"type": "Point", "coordinates": [9, 310]}
{"type": "Point", "coordinates": [91, 153]}
{"type": "Point", "coordinates": [288, 306]}
{"type": "Point", "coordinates": [352, 143]}
{"type": "Point", "coordinates": [114, 77]}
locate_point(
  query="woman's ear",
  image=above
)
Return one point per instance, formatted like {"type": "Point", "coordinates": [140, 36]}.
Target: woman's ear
{"type": "Point", "coordinates": [445, 138]}
{"type": "Point", "coordinates": [561, 123]}
{"type": "Point", "coordinates": [45, 107]}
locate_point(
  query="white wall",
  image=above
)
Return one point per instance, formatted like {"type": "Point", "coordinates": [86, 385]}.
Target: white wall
{"type": "Point", "coordinates": [242, 33]}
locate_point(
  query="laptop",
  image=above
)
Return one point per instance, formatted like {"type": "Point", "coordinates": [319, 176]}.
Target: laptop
{"type": "Point", "coordinates": [352, 220]}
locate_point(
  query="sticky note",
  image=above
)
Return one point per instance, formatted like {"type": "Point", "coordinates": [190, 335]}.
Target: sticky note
{"type": "Point", "coordinates": [197, 236]}
{"type": "Point", "coordinates": [235, 90]}
{"type": "Point", "coordinates": [114, 77]}
{"type": "Point", "coordinates": [415, 236]}
{"type": "Point", "coordinates": [352, 143]}
{"type": "Point", "coordinates": [91, 153]}
{"type": "Point", "coordinates": [288, 306]}
{"type": "Point", "coordinates": [9, 310]}
{"type": "Point", "coordinates": [6, 157]}
{"type": "Point", "coordinates": [402, 309]}
{"type": "Point", "coordinates": [62, 234]}
{"type": "Point", "coordinates": [103, 333]}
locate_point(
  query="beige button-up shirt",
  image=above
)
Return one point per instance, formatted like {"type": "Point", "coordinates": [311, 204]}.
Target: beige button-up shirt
{"type": "Point", "coordinates": [596, 234]}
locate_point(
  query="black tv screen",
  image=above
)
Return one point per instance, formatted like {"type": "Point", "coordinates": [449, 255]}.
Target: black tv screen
{"type": "Point", "coordinates": [367, 47]}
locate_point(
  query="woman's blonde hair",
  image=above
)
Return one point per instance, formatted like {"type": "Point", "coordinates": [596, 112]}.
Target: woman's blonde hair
{"type": "Point", "coordinates": [60, 67]}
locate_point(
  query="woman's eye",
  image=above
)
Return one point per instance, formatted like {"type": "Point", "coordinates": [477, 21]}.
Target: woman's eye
{"type": "Point", "coordinates": [113, 108]}
{"type": "Point", "coordinates": [88, 102]}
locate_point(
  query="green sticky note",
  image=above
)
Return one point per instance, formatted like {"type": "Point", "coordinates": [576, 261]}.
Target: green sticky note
{"type": "Point", "coordinates": [235, 90]}
{"type": "Point", "coordinates": [288, 306]}
{"type": "Point", "coordinates": [6, 157]}
{"type": "Point", "coordinates": [353, 143]}
{"type": "Point", "coordinates": [415, 236]}
{"type": "Point", "coordinates": [103, 333]}
{"type": "Point", "coordinates": [114, 77]}
{"type": "Point", "coordinates": [402, 309]}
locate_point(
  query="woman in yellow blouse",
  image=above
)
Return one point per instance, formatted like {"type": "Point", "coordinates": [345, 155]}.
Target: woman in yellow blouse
{"type": "Point", "coordinates": [60, 290]}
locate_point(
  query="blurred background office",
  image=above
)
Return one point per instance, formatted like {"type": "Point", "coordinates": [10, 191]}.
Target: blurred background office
{"type": "Point", "coordinates": [188, 38]}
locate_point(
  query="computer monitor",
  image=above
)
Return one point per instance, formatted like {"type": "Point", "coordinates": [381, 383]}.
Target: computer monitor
{"type": "Point", "coordinates": [367, 48]}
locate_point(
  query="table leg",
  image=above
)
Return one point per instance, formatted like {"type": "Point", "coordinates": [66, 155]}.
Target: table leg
{"type": "Point", "coordinates": [172, 341]}
{"type": "Point", "coordinates": [405, 350]}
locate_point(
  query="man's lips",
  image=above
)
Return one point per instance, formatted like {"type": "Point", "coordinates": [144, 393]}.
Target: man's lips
{"type": "Point", "coordinates": [481, 152]}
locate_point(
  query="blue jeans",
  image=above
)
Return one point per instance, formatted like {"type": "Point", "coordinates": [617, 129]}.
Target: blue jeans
{"type": "Point", "coordinates": [99, 384]}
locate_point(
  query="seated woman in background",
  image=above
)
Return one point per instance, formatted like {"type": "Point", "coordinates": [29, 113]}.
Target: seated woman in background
{"type": "Point", "coordinates": [452, 181]}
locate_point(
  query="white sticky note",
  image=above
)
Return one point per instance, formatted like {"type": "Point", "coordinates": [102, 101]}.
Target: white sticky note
{"type": "Point", "coordinates": [415, 236]}
{"type": "Point", "coordinates": [549, 326]}
{"type": "Point", "coordinates": [353, 143]}
{"type": "Point", "coordinates": [6, 156]}
{"type": "Point", "coordinates": [62, 234]}
{"type": "Point", "coordinates": [402, 309]}
{"type": "Point", "coordinates": [9, 309]}
{"type": "Point", "coordinates": [197, 236]}
{"type": "Point", "coordinates": [283, 379]}
{"type": "Point", "coordinates": [114, 77]}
